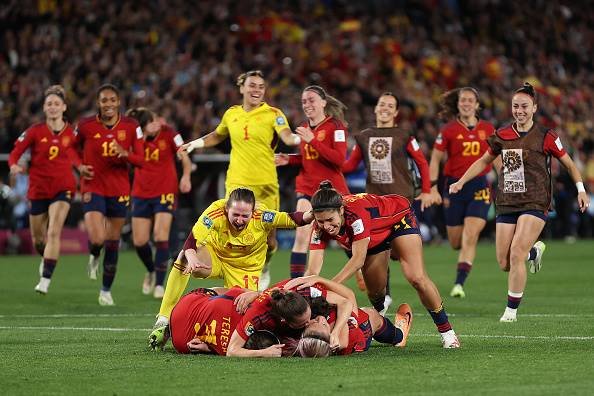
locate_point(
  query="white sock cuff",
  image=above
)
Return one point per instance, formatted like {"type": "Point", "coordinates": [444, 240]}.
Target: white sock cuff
{"type": "Point", "coordinates": [516, 295]}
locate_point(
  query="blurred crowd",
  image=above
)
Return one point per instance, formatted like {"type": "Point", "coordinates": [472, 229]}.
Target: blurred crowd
{"type": "Point", "coordinates": [181, 59]}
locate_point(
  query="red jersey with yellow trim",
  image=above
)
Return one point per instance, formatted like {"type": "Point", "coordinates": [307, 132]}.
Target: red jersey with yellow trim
{"type": "Point", "coordinates": [259, 315]}
{"type": "Point", "coordinates": [463, 146]}
{"type": "Point", "coordinates": [360, 331]}
{"type": "Point", "coordinates": [52, 159]}
{"type": "Point", "coordinates": [212, 319]}
{"type": "Point", "coordinates": [365, 216]}
{"type": "Point", "coordinates": [158, 174]}
{"type": "Point", "coordinates": [111, 178]}
{"type": "Point", "coordinates": [322, 158]}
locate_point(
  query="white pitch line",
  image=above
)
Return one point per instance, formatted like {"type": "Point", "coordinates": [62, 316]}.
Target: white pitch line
{"type": "Point", "coordinates": [433, 335]}
{"type": "Point", "coordinates": [75, 315]}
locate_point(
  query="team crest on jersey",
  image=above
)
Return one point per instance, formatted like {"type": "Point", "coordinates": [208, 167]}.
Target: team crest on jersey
{"type": "Point", "coordinates": [65, 141]}
{"type": "Point", "coordinates": [207, 221]}
{"type": "Point", "coordinates": [379, 149]}
{"type": "Point", "coordinates": [122, 135]}
{"type": "Point", "coordinates": [321, 135]}
{"type": "Point", "coordinates": [162, 145]}
{"type": "Point", "coordinates": [268, 217]}
{"type": "Point", "coordinates": [249, 329]}
{"type": "Point", "coordinates": [280, 120]}
{"type": "Point", "coordinates": [248, 238]}
{"type": "Point", "coordinates": [482, 134]}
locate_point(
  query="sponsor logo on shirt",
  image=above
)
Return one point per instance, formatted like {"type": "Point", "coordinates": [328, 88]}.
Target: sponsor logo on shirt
{"type": "Point", "coordinates": [379, 149]}
{"type": "Point", "coordinates": [268, 217]}
{"type": "Point", "coordinates": [358, 227]}
{"type": "Point", "coordinates": [460, 137]}
{"type": "Point", "coordinates": [44, 140]}
{"type": "Point", "coordinates": [207, 221]}
{"type": "Point", "coordinates": [97, 136]}
{"type": "Point", "coordinates": [339, 135]}
{"type": "Point", "coordinates": [280, 120]}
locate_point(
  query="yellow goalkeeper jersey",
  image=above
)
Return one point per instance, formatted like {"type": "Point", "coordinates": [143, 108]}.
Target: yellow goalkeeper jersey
{"type": "Point", "coordinates": [243, 249]}
{"type": "Point", "coordinates": [254, 136]}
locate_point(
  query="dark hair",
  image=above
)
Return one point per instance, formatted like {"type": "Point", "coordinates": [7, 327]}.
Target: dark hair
{"type": "Point", "coordinates": [107, 87]}
{"type": "Point", "coordinates": [334, 107]}
{"type": "Point", "coordinates": [241, 194]}
{"type": "Point", "coordinates": [243, 76]}
{"type": "Point", "coordinates": [261, 339]}
{"type": "Point", "coordinates": [142, 115]}
{"type": "Point", "coordinates": [527, 89]}
{"type": "Point", "coordinates": [288, 305]}
{"type": "Point", "coordinates": [392, 95]}
{"type": "Point", "coordinates": [326, 198]}
{"type": "Point", "coordinates": [57, 90]}
{"type": "Point", "coordinates": [449, 102]}
{"type": "Point", "coordinates": [319, 306]}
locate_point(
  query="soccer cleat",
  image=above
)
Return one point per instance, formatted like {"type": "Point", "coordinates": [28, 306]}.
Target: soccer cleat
{"type": "Point", "coordinates": [449, 340]}
{"type": "Point", "coordinates": [458, 291]}
{"type": "Point", "coordinates": [509, 316]}
{"type": "Point", "coordinates": [535, 265]}
{"type": "Point", "coordinates": [264, 278]}
{"type": "Point", "coordinates": [93, 267]}
{"type": "Point", "coordinates": [360, 281]}
{"type": "Point", "coordinates": [158, 337]}
{"type": "Point", "coordinates": [159, 292]}
{"type": "Point", "coordinates": [42, 286]}
{"type": "Point", "coordinates": [387, 303]}
{"type": "Point", "coordinates": [148, 284]}
{"type": "Point", "coordinates": [105, 299]}
{"type": "Point", "coordinates": [403, 321]}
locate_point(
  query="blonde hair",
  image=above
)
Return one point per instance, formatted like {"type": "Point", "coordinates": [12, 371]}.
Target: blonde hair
{"type": "Point", "coordinates": [313, 345]}
{"type": "Point", "coordinates": [57, 90]}
{"type": "Point", "coordinates": [243, 76]}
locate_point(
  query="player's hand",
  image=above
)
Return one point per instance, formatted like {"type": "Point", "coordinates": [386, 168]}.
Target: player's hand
{"type": "Point", "coordinates": [198, 346]}
{"type": "Point", "coordinates": [305, 134]}
{"type": "Point", "coordinates": [426, 200]}
{"type": "Point", "coordinates": [456, 187]}
{"type": "Point", "coordinates": [191, 146]}
{"type": "Point", "coordinates": [275, 350]}
{"type": "Point", "coordinates": [119, 149]}
{"type": "Point", "coordinates": [308, 216]}
{"type": "Point", "coordinates": [302, 282]}
{"type": "Point", "coordinates": [281, 159]}
{"type": "Point", "coordinates": [86, 171]}
{"type": "Point", "coordinates": [193, 263]}
{"type": "Point", "coordinates": [334, 342]}
{"type": "Point", "coordinates": [243, 301]}
{"type": "Point", "coordinates": [583, 201]}
{"type": "Point", "coordinates": [435, 196]}
{"type": "Point", "coordinates": [16, 169]}
{"type": "Point", "coordinates": [185, 185]}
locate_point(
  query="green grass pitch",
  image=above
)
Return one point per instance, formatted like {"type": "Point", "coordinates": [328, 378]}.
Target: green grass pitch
{"type": "Point", "coordinates": [65, 343]}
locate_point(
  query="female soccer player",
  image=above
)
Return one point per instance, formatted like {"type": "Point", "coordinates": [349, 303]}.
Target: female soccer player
{"type": "Point", "coordinates": [321, 154]}
{"type": "Point", "coordinates": [51, 181]}
{"type": "Point", "coordinates": [110, 143]}
{"type": "Point", "coordinates": [524, 191]}
{"type": "Point", "coordinates": [369, 227]}
{"type": "Point", "coordinates": [464, 140]}
{"type": "Point", "coordinates": [253, 128]}
{"type": "Point", "coordinates": [154, 195]}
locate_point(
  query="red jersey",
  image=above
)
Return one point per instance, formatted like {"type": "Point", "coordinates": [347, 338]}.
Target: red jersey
{"type": "Point", "coordinates": [365, 216]}
{"type": "Point", "coordinates": [158, 174]}
{"type": "Point", "coordinates": [52, 158]}
{"type": "Point", "coordinates": [212, 319]}
{"type": "Point", "coordinates": [322, 158]}
{"type": "Point", "coordinates": [360, 332]}
{"type": "Point", "coordinates": [259, 315]}
{"type": "Point", "coordinates": [551, 145]}
{"type": "Point", "coordinates": [463, 146]}
{"type": "Point", "coordinates": [111, 177]}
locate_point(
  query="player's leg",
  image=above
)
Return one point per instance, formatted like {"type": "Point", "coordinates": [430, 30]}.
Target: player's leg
{"type": "Point", "coordinates": [57, 211]}
{"type": "Point", "coordinates": [161, 230]}
{"type": "Point", "coordinates": [470, 235]}
{"type": "Point", "coordinates": [410, 248]}
{"type": "Point", "coordinates": [38, 221]}
{"type": "Point", "coordinates": [302, 236]}
{"type": "Point", "coordinates": [141, 233]}
{"type": "Point", "coordinates": [375, 273]}
{"type": "Point", "coordinates": [110, 258]}
{"type": "Point", "coordinates": [388, 332]}
{"type": "Point", "coordinates": [94, 207]}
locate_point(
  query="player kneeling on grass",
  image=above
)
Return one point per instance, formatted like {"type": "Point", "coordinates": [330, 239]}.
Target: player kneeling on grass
{"type": "Point", "coordinates": [227, 242]}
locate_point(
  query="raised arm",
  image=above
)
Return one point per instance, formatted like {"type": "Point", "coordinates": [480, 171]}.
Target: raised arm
{"type": "Point", "coordinates": [359, 251]}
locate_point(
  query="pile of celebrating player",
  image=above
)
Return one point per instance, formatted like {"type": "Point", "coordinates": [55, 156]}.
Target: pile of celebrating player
{"type": "Point", "coordinates": [234, 238]}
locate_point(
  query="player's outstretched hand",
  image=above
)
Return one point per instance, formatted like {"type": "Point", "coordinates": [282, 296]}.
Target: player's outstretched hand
{"type": "Point", "coordinates": [243, 301]}
{"type": "Point", "coordinates": [281, 159]}
{"type": "Point", "coordinates": [275, 350]}
{"type": "Point", "coordinates": [302, 282]}
{"type": "Point", "coordinates": [426, 200]}
{"type": "Point", "coordinates": [456, 187]}
{"type": "Point", "coordinates": [583, 201]}
{"type": "Point", "coordinates": [15, 169]}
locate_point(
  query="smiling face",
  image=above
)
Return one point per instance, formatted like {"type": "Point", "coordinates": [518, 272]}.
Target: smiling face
{"type": "Point", "coordinates": [386, 110]}
{"type": "Point", "coordinates": [253, 90]}
{"type": "Point", "coordinates": [54, 107]}
{"type": "Point", "coordinates": [313, 105]}
{"type": "Point", "coordinates": [330, 220]}
{"type": "Point", "coordinates": [319, 325]}
{"type": "Point", "coordinates": [239, 214]}
{"type": "Point", "coordinates": [523, 108]}
{"type": "Point", "coordinates": [302, 320]}
{"type": "Point", "coordinates": [467, 104]}
{"type": "Point", "coordinates": [108, 103]}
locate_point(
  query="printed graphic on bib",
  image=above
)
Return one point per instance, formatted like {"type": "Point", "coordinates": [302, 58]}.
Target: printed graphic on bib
{"type": "Point", "coordinates": [380, 164]}
{"type": "Point", "coordinates": [514, 180]}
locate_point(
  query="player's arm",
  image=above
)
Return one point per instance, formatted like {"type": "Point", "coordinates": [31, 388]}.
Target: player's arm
{"type": "Point", "coordinates": [135, 155]}
{"type": "Point", "coordinates": [437, 156]}
{"type": "Point", "coordinates": [351, 164]}
{"type": "Point", "coordinates": [414, 151]}
{"type": "Point", "coordinates": [288, 137]}
{"type": "Point", "coordinates": [344, 308]}
{"type": "Point", "coordinates": [185, 183]}
{"type": "Point", "coordinates": [24, 141]}
{"type": "Point", "coordinates": [475, 169]}
{"type": "Point", "coordinates": [274, 219]}
{"type": "Point", "coordinates": [356, 262]}
{"type": "Point", "coordinates": [237, 344]}
{"type": "Point", "coordinates": [335, 153]}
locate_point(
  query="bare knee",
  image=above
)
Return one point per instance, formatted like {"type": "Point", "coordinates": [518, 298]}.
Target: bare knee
{"type": "Point", "coordinates": [417, 281]}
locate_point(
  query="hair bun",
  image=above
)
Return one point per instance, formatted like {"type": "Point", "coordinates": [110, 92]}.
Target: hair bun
{"type": "Point", "coordinates": [326, 185]}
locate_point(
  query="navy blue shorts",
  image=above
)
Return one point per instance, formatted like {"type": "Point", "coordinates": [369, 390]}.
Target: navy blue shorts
{"type": "Point", "coordinates": [40, 206]}
{"type": "Point", "coordinates": [109, 206]}
{"type": "Point", "coordinates": [147, 207]}
{"type": "Point", "coordinates": [474, 200]}
{"type": "Point", "coordinates": [512, 218]}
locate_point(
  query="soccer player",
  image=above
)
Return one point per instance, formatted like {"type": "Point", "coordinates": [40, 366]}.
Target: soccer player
{"type": "Point", "coordinates": [51, 181]}
{"type": "Point", "coordinates": [464, 140]}
{"type": "Point", "coordinates": [321, 154]}
{"type": "Point", "coordinates": [110, 143]}
{"type": "Point", "coordinates": [387, 152]}
{"type": "Point", "coordinates": [154, 196]}
{"type": "Point", "coordinates": [524, 191]}
{"type": "Point", "coordinates": [253, 128]}
{"type": "Point", "coordinates": [368, 227]}
{"type": "Point", "coordinates": [227, 242]}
